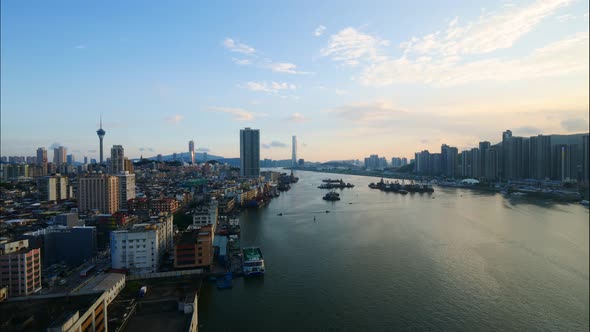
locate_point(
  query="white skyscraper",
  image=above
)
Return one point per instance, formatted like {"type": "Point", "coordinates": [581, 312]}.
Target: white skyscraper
{"type": "Point", "coordinates": [191, 150]}
{"type": "Point", "coordinates": [249, 152]}
{"type": "Point", "coordinates": [294, 153]}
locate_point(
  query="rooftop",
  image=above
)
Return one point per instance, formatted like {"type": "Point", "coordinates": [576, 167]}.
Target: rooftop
{"type": "Point", "coordinates": [34, 314]}
{"type": "Point", "coordinates": [252, 254]}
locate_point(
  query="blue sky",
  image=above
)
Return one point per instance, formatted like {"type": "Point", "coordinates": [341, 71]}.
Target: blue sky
{"type": "Point", "coordinates": [348, 78]}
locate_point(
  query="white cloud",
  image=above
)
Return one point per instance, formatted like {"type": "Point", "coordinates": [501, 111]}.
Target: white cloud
{"type": "Point", "coordinates": [235, 46]}
{"type": "Point", "coordinates": [319, 30]}
{"type": "Point", "coordinates": [242, 61]}
{"type": "Point", "coordinates": [569, 55]}
{"type": "Point", "coordinates": [80, 47]}
{"type": "Point", "coordinates": [491, 32]}
{"type": "Point", "coordinates": [298, 117]}
{"type": "Point", "coordinates": [350, 46]}
{"type": "Point", "coordinates": [175, 118]}
{"type": "Point", "coordinates": [272, 87]}
{"type": "Point", "coordinates": [374, 111]}
{"type": "Point", "coordinates": [239, 114]}
{"type": "Point", "coordinates": [565, 18]}
{"type": "Point", "coordinates": [285, 67]}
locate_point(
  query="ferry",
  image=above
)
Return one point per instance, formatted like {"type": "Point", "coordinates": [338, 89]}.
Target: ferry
{"type": "Point", "coordinates": [253, 262]}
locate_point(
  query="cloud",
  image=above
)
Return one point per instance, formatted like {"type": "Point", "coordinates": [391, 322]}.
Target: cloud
{"type": "Point", "coordinates": [238, 113]}
{"type": "Point", "coordinates": [566, 56]}
{"type": "Point", "coordinates": [285, 67]}
{"type": "Point", "coordinates": [146, 149]}
{"type": "Point", "coordinates": [565, 18]}
{"type": "Point", "coordinates": [575, 124]}
{"type": "Point", "coordinates": [55, 145]}
{"type": "Point", "coordinates": [298, 118]}
{"type": "Point", "coordinates": [527, 130]}
{"type": "Point", "coordinates": [319, 30]}
{"type": "Point", "coordinates": [80, 47]}
{"type": "Point", "coordinates": [278, 67]}
{"type": "Point", "coordinates": [203, 149]}
{"type": "Point", "coordinates": [235, 46]}
{"type": "Point", "coordinates": [242, 62]}
{"type": "Point", "coordinates": [175, 118]}
{"type": "Point", "coordinates": [351, 47]}
{"type": "Point", "coordinates": [274, 144]}
{"type": "Point", "coordinates": [92, 151]}
{"type": "Point", "coordinates": [272, 87]}
{"type": "Point", "coordinates": [491, 32]}
{"type": "Point", "coordinates": [377, 111]}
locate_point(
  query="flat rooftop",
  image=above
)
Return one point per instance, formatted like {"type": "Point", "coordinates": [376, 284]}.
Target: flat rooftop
{"type": "Point", "coordinates": [252, 254]}
{"type": "Point", "coordinates": [34, 314]}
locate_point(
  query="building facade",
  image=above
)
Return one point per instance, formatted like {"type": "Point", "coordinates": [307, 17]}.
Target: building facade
{"type": "Point", "coordinates": [20, 268]}
{"type": "Point", "coordinates": [117, 164]}
{"type": "Point", "coordinates": [126, 188]}
{"type": "Point", "coordinates": [98, 191]}
{"type": "Point", "coordinates": [249, 152]}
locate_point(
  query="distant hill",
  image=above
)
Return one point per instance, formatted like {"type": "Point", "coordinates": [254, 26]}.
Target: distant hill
{"type": "Point", "coordinates": [185, 156]}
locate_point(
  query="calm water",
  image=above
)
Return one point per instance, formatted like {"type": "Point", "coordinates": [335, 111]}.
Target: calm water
{"type": "Point", "coordinates": [461, 261]}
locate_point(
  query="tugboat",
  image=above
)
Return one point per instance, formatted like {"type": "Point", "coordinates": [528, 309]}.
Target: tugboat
{"type": "Point", "coordinates": [332, 196]}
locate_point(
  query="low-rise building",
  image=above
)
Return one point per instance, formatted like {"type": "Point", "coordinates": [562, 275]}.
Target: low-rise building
{"type": "Point", "coordinates": [140, 249]}
{"type": "Point", "coordinates": [194, 248]}
{"type": "Point", "coordinates": [206, 215]}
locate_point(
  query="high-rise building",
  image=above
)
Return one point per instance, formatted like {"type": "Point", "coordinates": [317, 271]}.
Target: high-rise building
{"type": "Point", "coordinates": [483, 152]}
{"type": "Point", "coordinates": [126, 188]}
{"type": "Point", "coordinates": [98, 191]}
{"type": "Point", "coordinates": [59, 156]}
{"type": "Point", "coordinates": [540, 157]}
{"type": "Point", "coordinates": [422, 162]}
{"type": "Point", "coordinates": [42, 158]}
{"type": "Point", "coordinates": [449, 160]}
{"type": "Point", "coordinates": [21, 268]}
{"type": "Point", "coordinates": [585, 153]}
{"type": "Point", "coordinates": [100, 132]}
{"type": "Point", "coordinates": [294, 152]}
{"type": "Point", "coordinates": [129, 165]}
{"type": "Point", "coordinates": [492, 171]}
{"type": "Point", "coordinates": [249, 152]}
{"type": "Point", "coordinates": [191, 151]}
{"type": "Point", "coordinates": [503, 166]}
{"type": "Point", "coordinates": [70, 159]}
{"type": "Point", "coordinates": [85, 160]}
{"type": "Point", "coordinates": [475, 163]}
{"type": "Point", "coordinates": [53, 188]}
{"type": "Point", "coordinates": [117, 161]}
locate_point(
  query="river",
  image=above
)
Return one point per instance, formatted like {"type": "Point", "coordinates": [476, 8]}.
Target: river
{"type": "Point", "coordinates": [452, 260]}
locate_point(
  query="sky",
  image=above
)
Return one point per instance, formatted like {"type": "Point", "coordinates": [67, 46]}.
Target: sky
{"type": "Point", "coordinates": [348, 78]}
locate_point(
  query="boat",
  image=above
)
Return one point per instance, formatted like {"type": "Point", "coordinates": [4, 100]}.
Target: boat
{"type": "Point", "coordinates": [253, 262]}
{"type": "Point", "coordinates": [331, 180]}
{"type": "Point", "coordinates": [403, 191]}
{"type": "Point", "coordinates": [585, 202]}
{"type": "Point", "coordinates": [280, 214]}
{"type": "Point", "coordinates": [331, 196]}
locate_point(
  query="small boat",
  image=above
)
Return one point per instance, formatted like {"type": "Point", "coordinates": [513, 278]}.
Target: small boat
{"type": "Point", "coordinates": [585, 202]}
{"type": "Point", "coordinates": [327, 211]}
{"type": "Point", "coordinates": [403, 192]}
{"type": "Point", "coordinates": [280, 214]}
{"type": "Point", "coordinates": [331, 196]}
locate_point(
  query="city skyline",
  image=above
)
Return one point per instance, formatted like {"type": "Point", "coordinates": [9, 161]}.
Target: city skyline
{"type": "Point", "coordinates": [353, 79]}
